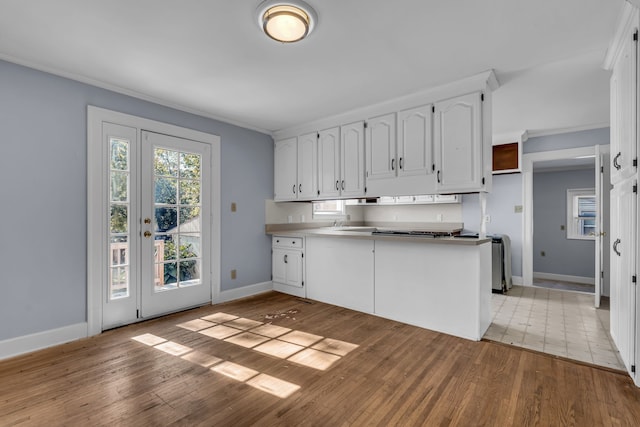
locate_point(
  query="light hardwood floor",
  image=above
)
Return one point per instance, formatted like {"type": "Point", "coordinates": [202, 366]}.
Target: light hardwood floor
{"type": "Point", "coordinates": [370, 371]}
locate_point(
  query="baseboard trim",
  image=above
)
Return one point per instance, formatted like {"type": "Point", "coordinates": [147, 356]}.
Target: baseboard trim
{"type": "Point", "coordinates": [564, 278]}
{"type": "Point", "coordinates": [245, 291]}
{"type": "Point", "coordinates": [32, 342]}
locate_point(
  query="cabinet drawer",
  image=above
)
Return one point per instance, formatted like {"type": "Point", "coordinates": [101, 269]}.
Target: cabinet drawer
{"type": "Point", "coordinates": [287, 242]}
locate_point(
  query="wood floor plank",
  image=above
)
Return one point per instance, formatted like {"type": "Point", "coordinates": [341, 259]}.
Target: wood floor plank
{"type": "Point", "coordinates": [397, 375]}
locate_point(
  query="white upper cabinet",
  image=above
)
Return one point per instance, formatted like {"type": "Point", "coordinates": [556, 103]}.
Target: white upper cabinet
{"type": "Point", "coordinates": [329, 180]}
{"type": "Point", "coordinates": [381, 147]}
{"type": "Point", "coordinates": [285, 169]}
{"type": "Point", "coordinates": [352, 183]}
{"type": "Point", "coordinates": [459, 144]}
{"type": "Point", "coordinates": [307, 166]}
{"type": "Point", "coordinates": [415, 141]}
{"type": "Point", "coordinates": [623, 112]}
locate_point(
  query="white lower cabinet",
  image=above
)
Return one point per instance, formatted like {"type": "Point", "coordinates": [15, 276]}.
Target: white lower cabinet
{"type": "Point", "coordinates": [288, 265]}
{"type": "Point", "coordinates": [340, 272]}
{"type": "Point", "coordinates": [445, 288]}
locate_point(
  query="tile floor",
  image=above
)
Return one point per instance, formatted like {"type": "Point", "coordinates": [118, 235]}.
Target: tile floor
{"type": "Point", "coordinates": [556, 322]}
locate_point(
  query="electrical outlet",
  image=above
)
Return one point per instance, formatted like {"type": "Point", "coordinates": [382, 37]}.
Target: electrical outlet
{"type": "Point", "coordinates": [517, 209]}
{"type": "Point", "coordinates": [487, 219]}
{"type": "Point", "coordinates": [233, 274]}
{"type": "Point", "coordinates": [439, 217]}
{"type": "Point", "coordinates": [289, 219]}
{"type": "Point", "coordinates": [233, 207]}
{"type": "Point", "coordinates": [562, 227]}
{"type": "Point", "coordinates": [302, 218]}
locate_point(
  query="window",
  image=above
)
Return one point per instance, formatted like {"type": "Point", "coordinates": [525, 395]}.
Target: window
{"type": "Point", "coordinates": [329, 209]}
{"type": "Point", "coordinates": [581, 213]}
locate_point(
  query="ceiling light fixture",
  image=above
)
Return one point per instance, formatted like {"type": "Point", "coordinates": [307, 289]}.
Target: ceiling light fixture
{"type": "Point", "coordinates": [286, 21]}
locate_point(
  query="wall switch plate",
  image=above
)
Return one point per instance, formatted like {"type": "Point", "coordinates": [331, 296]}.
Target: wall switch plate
{"type": "Point", "coordinates": [517, 209]}
{"type": "Point", "coordinates": [439, 217]}
{"type": "Point", "coordinates": [233, 207]}
{"type": "Point", "coordinates": [233, 274]}
{"type": "Point", "coordinates": [487, 219]}
{"type": "Point", "coordinates": [290, 219]}
{"type": "Point", "coordinates": [543, 253]}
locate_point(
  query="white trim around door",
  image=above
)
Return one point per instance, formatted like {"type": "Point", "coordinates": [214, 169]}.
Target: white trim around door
{"type": "Point", "coordinates": [97, 201]}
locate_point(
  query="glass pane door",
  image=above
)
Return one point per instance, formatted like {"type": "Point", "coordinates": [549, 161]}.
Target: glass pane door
{"type": "Point", "coordinates": [175, 198]}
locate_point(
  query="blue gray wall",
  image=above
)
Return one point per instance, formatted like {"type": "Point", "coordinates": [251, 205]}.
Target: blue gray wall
{"type": "Point", "coordinates": [562, 256]}
{"type": "Point", "coordinates": [43, 187]}
{"type": "Point", "coordinates": [501, 202]}
{"type": "Point", "coordinates": [507, 190]}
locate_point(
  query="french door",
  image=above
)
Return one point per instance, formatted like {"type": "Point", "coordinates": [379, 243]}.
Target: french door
{"type": "Point", "coordinates": [159, 224]}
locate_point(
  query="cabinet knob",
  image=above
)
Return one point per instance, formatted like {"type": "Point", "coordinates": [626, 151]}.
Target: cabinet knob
{"type": "Point", "coordinates": [400, 163]}
{"type": "Point", "coordinates": [337, 187]}
{"type": "Point", "coordinates": [615, 247]}
{"type": "Point", "coordinates": [393, 164]}
{"type": "Point", "coordinates": [285, 259]}
{"type": "Point", "coordinates": [343, 184]}
{"type": "Point", "coordinates": [294, 189]}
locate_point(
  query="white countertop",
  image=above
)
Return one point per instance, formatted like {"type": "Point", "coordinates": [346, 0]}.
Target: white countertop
{"type": "Point", "coordinates": [364, 232]}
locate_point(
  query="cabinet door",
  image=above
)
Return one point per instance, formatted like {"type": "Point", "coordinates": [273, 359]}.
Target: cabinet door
{"type": "Point", "coordinates": [415, 141]}
{"type": "Point", "coordinates": [329, 163]}
{"type": "Point", "coordinates": [623, 268]}
{"type": "Point", "coordinates": [623, 113]}
{"type": "Point", "coordinates": [352, 157]}
{"type": "Point", "coordinates": [307, 166]}
{"type": "Point", "coordinates": [293, 267]}
{"type": "Point", "coordinates": [458, 143]}
{"type": "Point", "coordinates": [278, 266]}
{"type": "Point", "coordinates": [285, 169]}
{"type": "Point", "coordinates": [381, 147]}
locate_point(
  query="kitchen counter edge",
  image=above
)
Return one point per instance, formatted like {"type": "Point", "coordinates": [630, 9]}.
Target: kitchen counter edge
{"type": "Point", "coordinates": [320, 232]}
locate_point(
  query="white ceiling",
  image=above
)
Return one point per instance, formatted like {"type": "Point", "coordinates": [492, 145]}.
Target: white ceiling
{"type": "Point", "coordinates": [210, 57]}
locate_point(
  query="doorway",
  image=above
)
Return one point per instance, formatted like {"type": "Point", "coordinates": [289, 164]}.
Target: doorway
{"type": "Point", "coordinates": [153, 219]}
{"type": "Point", "coordinates": [588, 222]}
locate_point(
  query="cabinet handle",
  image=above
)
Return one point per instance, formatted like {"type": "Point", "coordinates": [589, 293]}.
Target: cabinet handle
{"type": "Point", "coordinates": [300, 188]}
{"type": "Point", "coordinates": [343, 184]}
{"type": "Point", "coordinates": [400, 163]}
{"type": "Point", "coordinates": [337, 185]}
{"type": "Point", "coordinates": [294, 189]}
{"type": "Point", "coordinates": [615, 161]}
{"type": "Point", "coordinates": [615, 247]}
{"type": "Point", "coordinates": [285, 259]}
{"type": "Point", "coordinates": [393, 164]}
{"type": "Point", "coordinates": [438, 175]}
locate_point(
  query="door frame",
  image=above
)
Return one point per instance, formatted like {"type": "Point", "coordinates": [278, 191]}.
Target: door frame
{"type": "Point", "coordinates": [527, 195]}
{"type": "Point", "coordinates": [97, 195]}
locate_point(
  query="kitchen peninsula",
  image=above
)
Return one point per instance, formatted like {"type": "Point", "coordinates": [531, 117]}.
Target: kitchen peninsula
{"type": "Point", "coordinates": [438, 283]}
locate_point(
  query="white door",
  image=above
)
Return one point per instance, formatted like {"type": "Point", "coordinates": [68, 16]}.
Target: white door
{"type": "Point", "coordinates": [352, 158]}
{"type": "Point", "coordinates": [307, 173]}
{"type": "Point", "coordinates": [415, 141]}
{"type": "Point", "coordinates": [623, 250]}
{"type": "Point", "coordinates": [458, 143]}
{"type": "Point", "coordinates": [159, 225]}
{"type": "Point", "coordinates": [176, 225]}
{"type": "Point", "coordinates": [285, 169]}
{"type": "Point", "coordinates": [381, 147]}
{"type": "Point", "coordinates": [329, 163]}
{"type": "Point", "coordinates": [602, 218]}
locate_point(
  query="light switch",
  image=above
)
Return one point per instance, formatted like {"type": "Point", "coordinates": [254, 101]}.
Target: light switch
{"type": "Point", "coordinates": [517, 209]}
{"type": "Point", "coordinates": [233, 274]}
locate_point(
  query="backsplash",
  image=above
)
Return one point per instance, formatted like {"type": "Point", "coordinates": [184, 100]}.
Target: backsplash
{"type": "Point", "coordinates": [300, 212]}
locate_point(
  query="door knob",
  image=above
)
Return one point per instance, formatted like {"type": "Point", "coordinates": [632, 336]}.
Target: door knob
{"type": "Point", "coordinates": [147, 234]}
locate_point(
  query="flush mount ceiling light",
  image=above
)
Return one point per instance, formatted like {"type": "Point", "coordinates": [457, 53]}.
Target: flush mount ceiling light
{"type": "Point", "coordinates": [286, 21]}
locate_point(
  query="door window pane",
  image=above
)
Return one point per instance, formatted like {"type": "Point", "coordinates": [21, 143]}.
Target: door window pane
{"type": "Point", "coordinates": [177, 216]}
{"type": "Point", "coordinates": [581, 214]}
{"type": "Point", "coordinates": [119, 220]}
